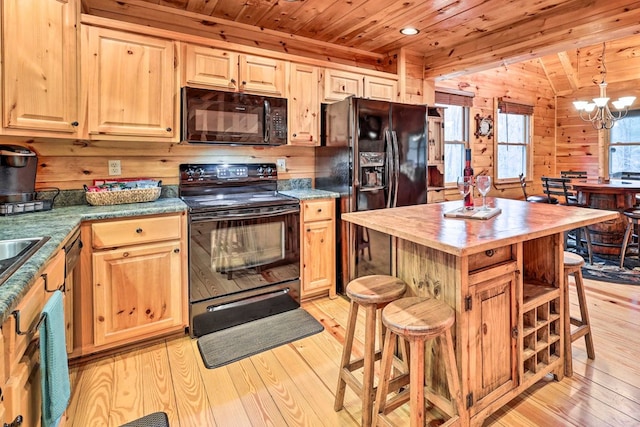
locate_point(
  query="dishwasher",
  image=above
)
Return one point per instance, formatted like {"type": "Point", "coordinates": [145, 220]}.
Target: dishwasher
{"type": "Point", "coordinates": [72, 249]}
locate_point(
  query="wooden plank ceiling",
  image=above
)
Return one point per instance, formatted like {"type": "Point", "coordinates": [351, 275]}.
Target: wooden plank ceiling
{"type": "Point", "coordinates": [456, 37]}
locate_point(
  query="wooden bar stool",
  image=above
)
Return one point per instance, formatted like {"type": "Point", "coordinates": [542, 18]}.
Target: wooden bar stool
{"type": "Point", "coordinates": [417, 320]}
{"type": "Point", "coordinates": [573, 266]}
{"type": "Point", "coordinates": [372, 293]}
{"type": "Point", "coordinates": [633, 216]}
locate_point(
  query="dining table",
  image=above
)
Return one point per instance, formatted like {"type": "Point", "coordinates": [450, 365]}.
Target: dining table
{"type": "Point", "coordinates": [503, 274]}
{"type": "Point", "coordinates": [618, 195]}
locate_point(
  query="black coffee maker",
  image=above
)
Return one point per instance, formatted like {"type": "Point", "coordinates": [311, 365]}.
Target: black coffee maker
{"type": "Point", "coordinates": [17, 174]}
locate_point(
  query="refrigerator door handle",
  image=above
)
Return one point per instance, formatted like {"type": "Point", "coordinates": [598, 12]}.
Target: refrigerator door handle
{"type": "Point", "coordinates": [389, 166]}
{"type": "Point", "coordinates": [396, 167]}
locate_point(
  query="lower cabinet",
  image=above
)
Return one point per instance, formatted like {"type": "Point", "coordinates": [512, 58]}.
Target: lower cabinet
{"type": "Point", "coordinates": [133, 283]}
{"type": "Point", "coordinates": [318, 248]}
{"type": "Point", "coordinates": [21, 391]}
{"type": "Point", "coordinates": [137, 291]}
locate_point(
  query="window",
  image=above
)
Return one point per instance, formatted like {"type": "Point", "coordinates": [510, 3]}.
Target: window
{"type": "Point", "coordinates": [624, 145]}
{"type": "Point", "coordinates": [456, 139]}
{"type": "Point", "coordinates": [513, 138]}
{"type": "Point", "coordinates": [456, 130]}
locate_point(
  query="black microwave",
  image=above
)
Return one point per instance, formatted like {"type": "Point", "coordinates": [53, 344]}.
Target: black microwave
{"type": "Point", "coordinates": [218, 117]}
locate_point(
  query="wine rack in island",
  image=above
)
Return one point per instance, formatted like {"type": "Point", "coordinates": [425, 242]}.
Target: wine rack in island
{"type": "Point", "coordinates": [540, 327]}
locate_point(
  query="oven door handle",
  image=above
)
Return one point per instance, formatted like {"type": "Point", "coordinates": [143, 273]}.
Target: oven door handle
{"type": "Point", "coordinates": [250, 215]}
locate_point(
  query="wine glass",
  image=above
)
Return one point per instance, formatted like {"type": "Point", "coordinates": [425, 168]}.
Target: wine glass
{"type": "Point", "coordinates": [483, 184]}
{"type": "Point", "coordinates": [464, 187]}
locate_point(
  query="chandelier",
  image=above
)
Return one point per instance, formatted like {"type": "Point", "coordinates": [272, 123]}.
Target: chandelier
{"type": "Point", "coordinates": [598, 111]}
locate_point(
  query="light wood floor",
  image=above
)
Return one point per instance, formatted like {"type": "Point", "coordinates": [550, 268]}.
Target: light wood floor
{"type": "Point", "coordinates": [294, 385]}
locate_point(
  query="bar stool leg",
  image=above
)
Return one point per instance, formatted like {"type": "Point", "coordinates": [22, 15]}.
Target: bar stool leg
{"type": "Point", "coordinates": [568, 357]}
{"type": "Point", "coordinates": [625, 242]}
{"type": "Point", "coordinates": [346, 355]}
{"type": "Point", "coordinates": [446, 343]}
{"type": "Point", "coordinates": [416, 375]}
{"type": "Point", "coordinates": [584, 323]}
{"type": "Point", "coordinates": [368, 392]}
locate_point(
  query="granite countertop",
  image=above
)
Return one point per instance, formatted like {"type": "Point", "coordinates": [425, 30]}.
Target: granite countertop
{"type": "Point", "coordinates": [309, 193]}
{"type": "Point", "coordinates": [58, 224]}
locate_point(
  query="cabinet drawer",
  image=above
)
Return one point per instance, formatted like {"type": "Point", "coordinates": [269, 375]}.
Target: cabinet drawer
{"type": "Point", "coordinates": [318, 210]}
{"type": "Point", "coordinates": [489, 257]}
{"type": "Point", "coordinates": [135, 231]}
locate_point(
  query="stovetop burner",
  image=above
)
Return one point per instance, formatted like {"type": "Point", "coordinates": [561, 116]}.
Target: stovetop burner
{"type": "Point", "coordinates": [208, 187]}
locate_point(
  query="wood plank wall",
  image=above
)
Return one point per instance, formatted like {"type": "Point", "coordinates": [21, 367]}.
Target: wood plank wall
{"type": "Point", "coordinates": [525, 83]}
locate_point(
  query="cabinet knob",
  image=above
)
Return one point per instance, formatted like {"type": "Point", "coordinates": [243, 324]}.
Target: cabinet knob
{"type": "Point", "coordinates": [233, 82]}
{"type": "Point", "coordinates": [319, 210]}
{"type": "Point", "coordinates": [295, 134]}
{"type": "Point", "coordinates": [244, 83]}
{"type": "Point", "coordinates": [176, 251]}
{"type": "Point", "coordinates": [169, 129]}
{"type": "Point", "coordinates": [308, 230]}
{"type": "Point", "coordinates": [489, 252]}
{"type": "Point", "coordinates": [74, 124]}
{"type": "Point", "coordinates": [138, 230]}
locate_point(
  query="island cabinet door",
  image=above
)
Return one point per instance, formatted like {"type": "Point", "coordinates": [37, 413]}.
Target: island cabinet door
{"type": "Point", "coordinates": [492, 341]}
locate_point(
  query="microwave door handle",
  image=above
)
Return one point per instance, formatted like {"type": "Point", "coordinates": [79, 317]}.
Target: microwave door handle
{"type": "Point", "coordinates": [396, 167]}
{"type": "Point", "coordinates": [267, 121]}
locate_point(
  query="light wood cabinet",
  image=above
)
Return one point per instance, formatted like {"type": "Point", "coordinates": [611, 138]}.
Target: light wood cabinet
{"type": "Point", "coordinates": [318, 248]}
{"type": "Point", "coordinates": [492, 336]}
{"type": "Point", "coordinates": [304, 105]}
{"type": "Point", "coordinates": [340, 84]}
{"type": "Point", "coordinates": [22, 392]}
{"type": "Point", "coordinates": [129, 85]}
{"type": "Point", "coordinates": [39, 68]}
{"type": "Point", "coordinates": [233, 71]}
{"type": "Point", "coordinates": [380, 89]}
{"type": "Point", "coordinates": [136, 287]}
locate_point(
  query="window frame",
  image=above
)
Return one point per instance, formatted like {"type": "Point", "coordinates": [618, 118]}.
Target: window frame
{"type": "Point", "coordinates": [465, 143]}
{"type": "Point", "coordinates": [509, 107]}
{"type": "Point", "coordinates": [610, 144]}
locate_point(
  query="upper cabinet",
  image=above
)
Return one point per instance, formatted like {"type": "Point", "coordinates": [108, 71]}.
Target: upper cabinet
{"type": "Point", "coordinates": [380, 88]}
{"type": "Point", "coordinates": [340, 84]}
{"type": "Point", "coordinates": [39, 69]}
{"type": "Point", "coordinates": [130, 85]}
{"type": "Point", "coordinates": [232, 71]}
{"type": "Point", "coordinates": [304, 105]}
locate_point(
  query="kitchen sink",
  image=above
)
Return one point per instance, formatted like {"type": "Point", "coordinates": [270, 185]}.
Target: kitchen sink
{"type": "Point", "coordinates": [15, 252]}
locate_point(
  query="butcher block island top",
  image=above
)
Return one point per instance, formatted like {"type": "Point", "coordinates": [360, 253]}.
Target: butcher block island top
{"type": "Point", "coordinates": [504, 278]}
{"type": "Point", "coordinates": [427, 226]}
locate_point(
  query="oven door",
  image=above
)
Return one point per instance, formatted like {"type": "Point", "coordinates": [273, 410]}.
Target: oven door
{"type": "Point", "coordinates": [240, 259]}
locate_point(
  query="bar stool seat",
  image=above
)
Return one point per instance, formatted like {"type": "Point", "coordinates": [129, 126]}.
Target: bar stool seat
{"type": "Point", "coordinates": [417, 320]}
{"type": "Point", "coordinates": [573, 266]}
{"type": "Point", "coordinates": [633, 216]}
{"type": "Point", "coordinates": [372, 293]}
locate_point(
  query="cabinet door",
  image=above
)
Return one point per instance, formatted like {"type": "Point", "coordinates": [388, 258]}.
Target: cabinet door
{"type": "Point", "coordinates": [22, 395]}
{"type": "Point", "coordinates": [137, 291]}
{"type": "Point", "coordinates": [318, 245]}
{"type": "Point", "coordinates": [261, 75]}
{"type": "Point", "coordinates": [304, 106]}
{"type": "Point", "coordinates": [129, 82]}
{"type": "Point", "coordinates": [380, 89]}
{"type": "Point", "coordinates": [435, 153]}
{"type": "Point", "coordinates": [492, 345]}
{"type": "Point", "coordinates": [39, 65]}
{"type": "Point", "coordinates": [340, 84]}
{"type": "Point", "coordinates": [211, 67]}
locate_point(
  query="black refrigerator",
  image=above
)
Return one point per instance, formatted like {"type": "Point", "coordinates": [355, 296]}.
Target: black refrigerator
{"type": "Point", "coordinates": [374, 154]}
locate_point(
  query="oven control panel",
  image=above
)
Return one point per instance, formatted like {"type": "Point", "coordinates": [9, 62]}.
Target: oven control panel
{"type": "Point", "coordinates": [192, 173]}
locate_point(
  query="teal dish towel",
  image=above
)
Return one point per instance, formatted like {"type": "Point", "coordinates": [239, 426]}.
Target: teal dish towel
{"type": "Point", "coordinates": [54, 369]}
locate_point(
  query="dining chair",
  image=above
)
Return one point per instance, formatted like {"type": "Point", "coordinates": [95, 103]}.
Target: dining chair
{"type": "Point", "coordinates": [574, 175]}
{"type": "Point", "coordinates": [561, 187]}
{"type": "Point", "coordinates": [532, 199]}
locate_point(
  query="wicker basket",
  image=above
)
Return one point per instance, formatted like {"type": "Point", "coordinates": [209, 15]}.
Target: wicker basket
{"type": "Point", "coordinates": [104, 198]}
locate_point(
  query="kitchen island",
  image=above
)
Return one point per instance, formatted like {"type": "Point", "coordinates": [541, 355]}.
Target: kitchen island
{"type": "Point", "coordinates": [503, 277]}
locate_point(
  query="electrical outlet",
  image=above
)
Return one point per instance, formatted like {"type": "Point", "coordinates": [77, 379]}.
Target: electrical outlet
{"type": "Point", "coordinates": [281, 164]}
{"type": "Point", "coordinates": [114, 167]}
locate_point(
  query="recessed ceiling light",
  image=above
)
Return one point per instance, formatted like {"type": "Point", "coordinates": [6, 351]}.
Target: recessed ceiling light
{"type": "Point", "coordinates": [409, 31]}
